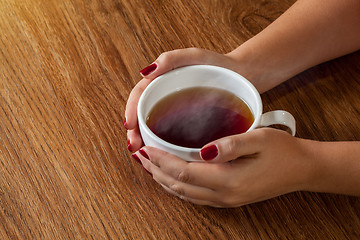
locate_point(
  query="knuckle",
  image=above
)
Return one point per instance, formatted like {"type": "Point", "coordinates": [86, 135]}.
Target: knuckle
{"type": "Point", "coordinates": [231, 145]}
{"type": "Point", "coordinates": [177, 189]}
{"type": "Point", "coordinates": [228, 201]}
{"type": "Point", "coordinates": [262, 134]}
{"type": "Point", "coordinates": [184, 176]}
{"type": "Point", "coordinates": [165, 56]}
{"type": "Point", "coordinates": [166, 59]}
{"type": "Point", "coordinates": [232, 186]}
{"type": "Point", "coordinates": [228, 195]}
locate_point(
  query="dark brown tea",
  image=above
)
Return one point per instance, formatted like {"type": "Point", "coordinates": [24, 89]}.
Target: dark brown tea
{"type": "Point", "coordinates": [196, 116]}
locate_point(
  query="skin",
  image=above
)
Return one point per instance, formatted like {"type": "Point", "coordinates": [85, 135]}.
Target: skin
{"type": "Point", "coordinates": [252, 167]}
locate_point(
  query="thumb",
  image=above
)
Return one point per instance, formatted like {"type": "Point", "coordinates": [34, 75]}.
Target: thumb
{"type": "Point", "coordinates": [170, 60]}
{"type": "Point", "coordinates": [232, 147]}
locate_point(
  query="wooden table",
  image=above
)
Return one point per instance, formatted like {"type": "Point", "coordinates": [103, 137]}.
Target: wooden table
{"type": "Point", "coordinates": [66, 70]}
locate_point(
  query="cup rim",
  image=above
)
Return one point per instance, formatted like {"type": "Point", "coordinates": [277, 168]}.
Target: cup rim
{"type": "Point", "coordinates": [157, 80]}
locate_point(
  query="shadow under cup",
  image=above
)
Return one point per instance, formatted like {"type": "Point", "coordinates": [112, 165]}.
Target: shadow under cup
{"type": "Point", "coordinates": [189, 77]}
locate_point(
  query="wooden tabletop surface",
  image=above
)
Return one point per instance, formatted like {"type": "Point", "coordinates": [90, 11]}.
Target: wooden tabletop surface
{"type": "Point", "coordinates": [66, 70]}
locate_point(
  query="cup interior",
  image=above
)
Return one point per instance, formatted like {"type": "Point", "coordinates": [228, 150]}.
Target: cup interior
{"type": "Point", "coordinates": [197, 76]}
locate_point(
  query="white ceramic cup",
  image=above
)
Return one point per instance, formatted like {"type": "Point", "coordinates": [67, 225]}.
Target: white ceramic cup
{"type": "Point", "coordinates": [207, 76]}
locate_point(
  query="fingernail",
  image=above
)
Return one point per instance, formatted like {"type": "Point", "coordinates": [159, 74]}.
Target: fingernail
{"type": "Point", "coordinates": [209, 152]}
{"type": "Point", "coordinates": [125, 124]}
{"type": "Point", "coordinates": [149, 69]}
{"type": "Point", "coordinates": [142, 152]}
{"type": "Point", "coordinates": [134, 156]}
{"type": "Point", "coordinates": [147, 170]}
{"type": "Point", "coordinates": [129, 146]}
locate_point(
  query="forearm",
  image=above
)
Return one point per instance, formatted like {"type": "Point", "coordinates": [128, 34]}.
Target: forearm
{"type": "Point", "coordinates": [308, 33]}
{"type": "Point", "coordinates": [335, 167]}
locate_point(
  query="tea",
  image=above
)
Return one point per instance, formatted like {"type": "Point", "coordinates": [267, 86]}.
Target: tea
{"type": "Point", "coordinates": [196, 116]}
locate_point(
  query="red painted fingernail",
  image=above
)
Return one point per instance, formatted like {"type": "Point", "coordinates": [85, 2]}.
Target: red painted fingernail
{"type": "Point", "coordinates": [147, 170]}
{"type": "Point", "coordinates": [129, 146]}
{"type": "Point", "coordinates": [209, 152]}
{"type": "Point", "coordinates": [134, 156]}
{"type": "Point", "coordinates": [142, 152]}
{"type": "Point", "coordinates": [125, 124]}
{"type": "Point", "coordinates": [149, 69]}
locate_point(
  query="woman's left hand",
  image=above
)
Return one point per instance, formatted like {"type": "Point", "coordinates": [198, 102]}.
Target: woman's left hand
{"type": "Point", "coordinates": [238, 170]}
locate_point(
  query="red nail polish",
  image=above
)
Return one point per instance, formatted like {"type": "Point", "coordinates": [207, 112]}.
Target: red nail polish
{"type": "Point", "coordinates": [134, 156]}
{"type": "Point", "coordinates": [142, 152]}
{"type": "Point", "coordinates": [149, 69]}
{"type": "Point", "coordinates": [209, 152]}
{"type": "Point", "coordinates": [125, 124]}
{"type": "Point", "coordinates": [129, 146]}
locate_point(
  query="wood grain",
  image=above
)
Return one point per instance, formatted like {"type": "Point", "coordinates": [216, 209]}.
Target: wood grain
{"type": "Point", "coordinates": [66, 69]}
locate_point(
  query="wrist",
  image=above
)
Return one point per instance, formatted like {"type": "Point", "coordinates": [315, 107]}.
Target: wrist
{"type": "Point", "coordinates": [311, 164]}
{"type": "Point", "coordinates": [258, 66]}
{"type": "Point", "coordinates": [335, 167]}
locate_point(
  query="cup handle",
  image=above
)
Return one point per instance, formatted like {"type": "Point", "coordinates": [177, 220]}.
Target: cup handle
{"type": "Point", "coordinates": [279, 117]}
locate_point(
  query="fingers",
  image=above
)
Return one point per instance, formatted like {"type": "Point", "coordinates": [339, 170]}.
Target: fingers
{"type": "Point", "coordinates": [247, 168]}
{"type": "Point", "coordinates": [170, 60]}
{"type": "Point", "coordinates": [165, 62]}
{"type": "Point", "coordinates": [192, 181]}
{"type": "Point", "coordinates": [192, 200]}
{"type": "Point", "coordinates": [194, 173]}
{"type": "Point", "coordinates": [134, 139]}
{"type": "Point", "coordinates": [233, 147]}
{"type": "Point", "coordinates": [131, 105]}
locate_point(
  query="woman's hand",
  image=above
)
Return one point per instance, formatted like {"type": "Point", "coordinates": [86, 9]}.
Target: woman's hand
{"type": "Point", "coordinates": [263, 163]}
{"type": "Point", "coordinates": [164, 63]}
{"type": "Point", "coordinates": [237, 170]}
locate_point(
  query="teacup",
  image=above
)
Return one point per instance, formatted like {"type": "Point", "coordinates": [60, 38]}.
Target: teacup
{"type": "Point", "coordinates": [204, 76]}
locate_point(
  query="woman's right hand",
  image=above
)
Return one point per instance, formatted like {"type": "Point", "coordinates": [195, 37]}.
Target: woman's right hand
{"type": "Point", "coordinates": [166, 62]}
